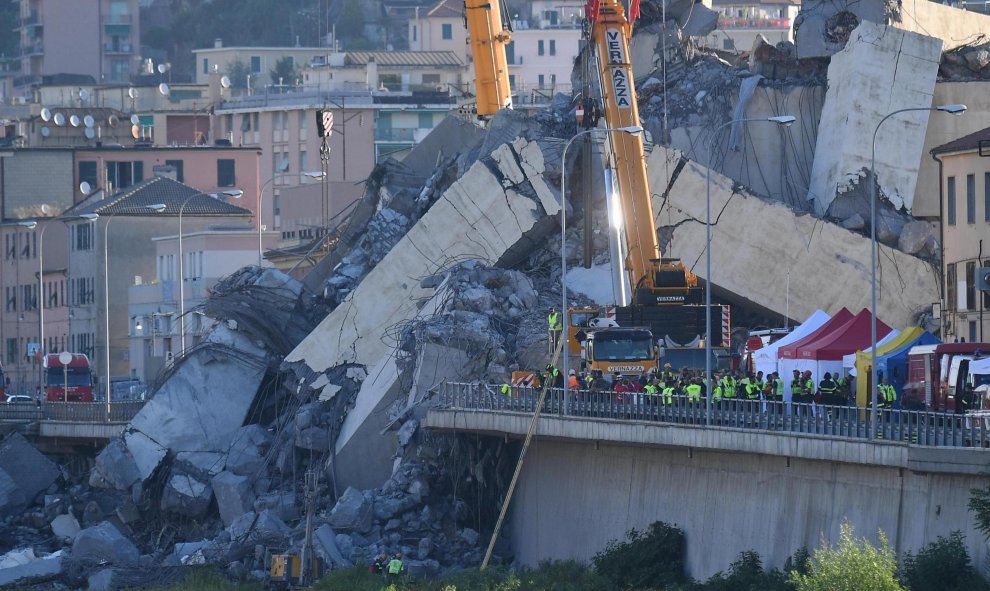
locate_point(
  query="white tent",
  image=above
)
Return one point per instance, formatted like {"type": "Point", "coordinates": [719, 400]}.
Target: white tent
{"type": "Point", "coordinates": [849, 361]}
{"type": "Point", "coordinates": [765, 359]}
{"type": "Point", "coordinates": [980, 366]}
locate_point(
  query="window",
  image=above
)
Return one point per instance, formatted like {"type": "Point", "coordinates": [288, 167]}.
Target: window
{"type": "Point", "coordinates": [950, 199]}
{"type": "Point", "coordinates": [510, 53]}
{"type": "Point", "coordinates": [121, 175]}
{"type": "Point", "coordinates": [10, 299]}
{"type": "Point", "coordinates": [432, 79]}
{"type": "Point", "coordinates": [950, 287]}
{"type": "Point", "coordinates": [540, 80]}
{"type": "Point", "coordinates": [426, 120]}
{"type": "Point", "coordinates": [971, 285]}
{"type": "Point", "coordinates": [539, 47]}
{"type": "Point", "coordinates": [447, 31]}
{"type": "Point", "coordinates": [246, 122]}
{"type": "Point", "coordinates": [970, 198]}
{"type": "Point", "coordinates": [178, 169]}
{"type": "Point", "coordinates": [414, 33]}
{"type": "Point", "coordinates": [225, 173]}
{"type": "Point", "coordinates": [303, 161]}
{"type": "Point", "coordinates": [972, 331]}
{"type": "Point", "coordinates": [87, 173]}
{"type": "Point", "coordinates": [553, 46]}
{"type": "Point", "coordinates": [11, 351]}
{"type": "Point", "coordinates": [303, 119]}
{"type": "Point", "coordinates": [255, 64]}
{"type": "Point", "coordinates": [206, 65]}
{"type": "Point", "coordinates": [82, 236]}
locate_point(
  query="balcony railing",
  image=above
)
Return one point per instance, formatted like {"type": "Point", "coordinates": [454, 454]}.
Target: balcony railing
{"type": "Point", "coordinates": [753, 23]}
{"type": "Point", "coordinates": [395, 134]}
{"type": "Point", "coordinates": [118, 19]}
{"type": "Point", "coordinates": [76, 412]}
{"type": "Point", "coordinates": [117, 48]}
{"type": "Point", "coordinates": [35, 47]}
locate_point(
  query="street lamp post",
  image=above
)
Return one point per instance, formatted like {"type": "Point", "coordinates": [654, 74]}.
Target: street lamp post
{"type": "Point", "coordinates": [319, 174]}
{"type": "Point", "coordinates": [236, 194]}
{"type": "Point", "coordinates": [955, 109]}
{"type": "Point", "coordinates": [563, 250]}
{"type": "Point", "coordinates": [41, 272]}
{"type": "Point", "coordinates": [785, 120]}
{"type": "Point", "coordinates": [156, 208]}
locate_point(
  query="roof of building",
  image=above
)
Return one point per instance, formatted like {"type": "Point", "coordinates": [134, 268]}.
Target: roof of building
{"type": "Point", "coordinates": [965, 143]}
{"type": "Point", "coordinates": [447, 9]}
{"type": "Point", "coordinates": [133, 201]}
{"type": "Point", "coordinates": [403, 58]}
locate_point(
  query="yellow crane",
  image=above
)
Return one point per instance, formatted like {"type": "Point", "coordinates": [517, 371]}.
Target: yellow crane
{"type": "Point", "coordinates": [489, 30]}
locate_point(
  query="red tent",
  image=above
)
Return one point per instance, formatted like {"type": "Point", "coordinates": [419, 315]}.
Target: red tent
{"type": "Point", "coordinates": [790, 351]}
{"type": "Point", "coordinates": [851, 337]}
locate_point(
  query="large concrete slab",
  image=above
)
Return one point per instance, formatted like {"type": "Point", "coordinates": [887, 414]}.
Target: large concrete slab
{"type": "Point", "coordinates": [881, 70]}
{"type": "Point", "coordinates": [28, 467]}
{"type": "Point", "coordinates": [760, 247]}
{"type": "Point", "coordinates": [491, 214]}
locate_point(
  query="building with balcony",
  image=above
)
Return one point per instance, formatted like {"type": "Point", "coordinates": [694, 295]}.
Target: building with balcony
{"type": "Point", "coordinates": [739, 23]}
{"type": "Point", "coordinates": [94, 38]}
{"type": "Point", "coordinates": [964, 179]}
{"type": "Point", "coordinates": [542, 51]}
{"type": "Point", "coordinates": [259, 61]}
{"type": "Point", "coordinates": [153, 304]}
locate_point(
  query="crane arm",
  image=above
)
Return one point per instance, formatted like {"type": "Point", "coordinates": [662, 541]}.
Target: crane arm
{"type": "Point", "coordinates": [610, 32]}
{"type": "Point", "coordinates": [489, 34]}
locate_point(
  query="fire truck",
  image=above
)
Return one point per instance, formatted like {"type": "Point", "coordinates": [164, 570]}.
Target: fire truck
{"type": "Point", "coordinates": [939, 378]}
{"type": "Point", "coordinates": [68, 378]}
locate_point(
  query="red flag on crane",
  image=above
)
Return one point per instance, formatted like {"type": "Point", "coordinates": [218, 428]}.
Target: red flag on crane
{"type": "Point", "coordinates": [591, 9]}
{"type": "Point", "coordinates": [633, 10]}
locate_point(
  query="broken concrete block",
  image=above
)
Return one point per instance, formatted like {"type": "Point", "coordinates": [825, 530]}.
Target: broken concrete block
{"type": "Point", "coordinates": [24, 572]}
{"type": "Point", "coordinates": [29, 468]}
{"type": "Point", "coordinates": [240, 527]}
{"type": "Point", "coordinates": [469, 536]}
{"type": "Point", "coordinates": [116, 467]}
{"type": "Point", "coordinates": [234, 495]}
{"type": "Point", "coordinates": [858, 75]}
{"type": "Point", "coordinates": [12, 500]}
{"type": "Point", "coordinates": [247, 452]}
{"type": "Point", "coordinates": [65, 527]}
{"type": "Point", "coordinates": [282, 504]}
{"type": "Point", "coordinates": [353, 511]}
{"type": "Point", "coordinates": [146, 453]}
{"type": "Point", "coordinates": [315, 438]}
{"type": "Point", "coordinates": [325, 545]}
{"type": "Point", "coordinates": [103, 580]}
{"type": "Point", "coordinates": [185, 494]}
{"type": "Point", "coordinates": [914, 236]}
{"type": "Point", "coordinates": [104, 542]}
{"type": "Point", "coordinates": [210, 463]}
{"type": "Point", "coordinates": [854, 222]}
{"type": "Point", "coordinates": [268, 523]}
{"type": "Point", "coordinates": [407, 431]}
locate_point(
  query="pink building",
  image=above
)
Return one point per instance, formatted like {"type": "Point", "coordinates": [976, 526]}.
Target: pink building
{"type": "Point", "coordinates": [98, 38]}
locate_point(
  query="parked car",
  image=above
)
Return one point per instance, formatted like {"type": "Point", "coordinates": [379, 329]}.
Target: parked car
{"type": "Point", "coordinates": [19, 399]}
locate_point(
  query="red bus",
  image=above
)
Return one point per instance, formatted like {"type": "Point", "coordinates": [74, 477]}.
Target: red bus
{"type": "Point", "coordinates": [71, 382]}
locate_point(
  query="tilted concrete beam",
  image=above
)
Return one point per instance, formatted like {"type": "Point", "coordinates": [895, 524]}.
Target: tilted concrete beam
{"type": "Point", "coordinates": [756, 244]}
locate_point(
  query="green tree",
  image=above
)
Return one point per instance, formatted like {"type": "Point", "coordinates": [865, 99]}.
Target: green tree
{"type": "Point", "coordinates": [853, 565]}
{"type": "Point", "coordinates": [284, 72]}
{"type": "Point", "coordinates": [979, 504]}
{"type": "Point", "coordinates": [943, 565]}
{"type": "Point", "coordinates": [238, 72]}
{"type": "Point", "coordinates": [653, 559]}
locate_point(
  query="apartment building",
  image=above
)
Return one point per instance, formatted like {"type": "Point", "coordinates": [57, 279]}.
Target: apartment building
{"type": "Point", "coordinates": [739, 23]}
{"type": "Point", "coordinates": [965, 229]}
{"type": "Point", "coordinates": [440, 28]}
{"type": "Point", "coordinates": [99, 39]}
{"type": "Point", "coordinates": [544, 46]}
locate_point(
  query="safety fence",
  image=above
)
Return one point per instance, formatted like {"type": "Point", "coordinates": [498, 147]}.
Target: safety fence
{"type": "Point", "coordinates": [74, 412]}
{"type": "Point", "coordinates": [848, 422]}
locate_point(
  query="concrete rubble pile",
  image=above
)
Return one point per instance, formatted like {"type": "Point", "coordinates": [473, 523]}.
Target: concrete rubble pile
{"type": "Point", "coordinates": [966, 62]}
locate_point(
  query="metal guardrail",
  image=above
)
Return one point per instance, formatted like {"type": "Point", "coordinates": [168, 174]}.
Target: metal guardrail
{"type": "Point", "coordinates": [914, 427]}
{"type": "Point", "coordinates": [74, 412]}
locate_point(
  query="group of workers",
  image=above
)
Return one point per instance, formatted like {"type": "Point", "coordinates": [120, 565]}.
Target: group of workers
{"type": "Point", "coordinates": [389, 568]}
{"type": "Point", "coordinates": [727, 384]}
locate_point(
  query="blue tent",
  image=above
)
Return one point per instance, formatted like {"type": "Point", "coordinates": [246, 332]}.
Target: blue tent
{"type": "Point", "coordinates": [894, 364]}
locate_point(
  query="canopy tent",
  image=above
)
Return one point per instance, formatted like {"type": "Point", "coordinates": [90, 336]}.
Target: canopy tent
{"type": "Point", "coordinates": [978, 366]}
{"type": "Point", "coordinates": [892, 360]}
{"type": "Point", "coordinates": [849, 360]}
{"type": "Point", "coordinates": [786, 363]}
{"type": "Point", "coordinates": [823, 353]}
{"type": "Point", "coordinates": [765, 359]}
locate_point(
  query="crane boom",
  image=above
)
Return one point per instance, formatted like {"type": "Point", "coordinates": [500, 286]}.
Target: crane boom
{"type": "Point", "coordinates": [653, 280]}
{"type": "Point", "coordinates": [489, 34]}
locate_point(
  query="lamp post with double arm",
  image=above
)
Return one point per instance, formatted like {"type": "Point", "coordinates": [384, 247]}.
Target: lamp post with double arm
{"type": "Point", "coordinates": [784, 120]}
